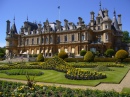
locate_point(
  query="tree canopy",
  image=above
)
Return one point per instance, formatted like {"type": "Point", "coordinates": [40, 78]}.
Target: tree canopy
{"type": "Point", "coordinates": [126, 37]}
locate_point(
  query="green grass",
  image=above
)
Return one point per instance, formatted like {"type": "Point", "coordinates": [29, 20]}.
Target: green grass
{"type": "Point", "coordinates": [52, 76]}
{"type": "Point", "coordinates": [126, 90]}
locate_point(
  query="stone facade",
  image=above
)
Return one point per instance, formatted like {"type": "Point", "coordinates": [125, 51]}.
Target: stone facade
{"type": "Point", "coordinates": [100, 34]}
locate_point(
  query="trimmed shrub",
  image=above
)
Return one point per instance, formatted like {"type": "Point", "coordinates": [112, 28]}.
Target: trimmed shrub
{"type": "Point", "coordinates": [89, 56]}
{"type": "Point", "coordinates": [109, 52]}
{"type": "Point", "coordinates": [104, 59]}
{"type": "Point", "coordinates": [53, 62]}
{"type": "Point", "coordinates": [82, 52]}
{"type": "Point", "coordinates": [62, 54]}
{"type": "Point", "coordinates": [74, 59]}
{"type": "Point", "coordinates": [102, 68]}
{"type": "Point", "coordinates": [40, 58]}
{"type": "Point", "coordinates": [121, 55]}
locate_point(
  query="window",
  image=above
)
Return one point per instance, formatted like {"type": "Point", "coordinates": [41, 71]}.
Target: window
{"type": "Point", "coordinates": [106, 36]}
{"type": "Point", "coordinates": [42, 40]}
{"type": "Point", "coordinates": [58, 39]}
{"type": "Point", "coordinates": [37, 40]}
{"type": "Point", "coordinates": [83, 37]}
{"type": "Point", "coordinates": [98, 27]}
{"type": "Point", "coordinates": [50, 39]}
{"type": "Point", "coordinates": [27, 41]}
{"type": "Point", "coordinates": [99, 38]}
{"type": "Point", "coordinates": [98, 21]}
{"type": "Point", "coordinates": [32, 41]}
{"type": "Point", "coordinates": [72, 37]}
{"type": "Point", "coordinates": [46, 40]}
{"type": "Point", "coordinates": [106, 26]}
{"type": "Point", "coordinates": [65, 38]}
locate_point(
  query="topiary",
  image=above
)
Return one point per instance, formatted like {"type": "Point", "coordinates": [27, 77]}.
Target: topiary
{"type": "Point", "coordinates": [89, 56]}
{"type": "Point", "coordinates": [121, 55]}
{"type": "Point", "coordinates": [109, 52]}
{"type": "Point", "coordinates": [40, 58]}
{"type": "Point", "coordinates": [82, 52]}
{"type": "Point", "coordinates": [62, 54]}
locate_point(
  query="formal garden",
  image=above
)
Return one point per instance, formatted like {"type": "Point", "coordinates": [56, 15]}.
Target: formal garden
{"type": "Point", "coordinates": [86, 71]}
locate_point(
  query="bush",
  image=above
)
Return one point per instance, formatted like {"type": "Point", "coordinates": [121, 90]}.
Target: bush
{"type": "Point", "coordinates": [82, 52]}
{"type": "Point", "coordinates": [62, 54]}
{"type": "Point", "coordinates": [2, 55]}
{"type": "Point", "coordinates": [109, 52]}
{"type": "Point", "coordinates": [102, 68]}
{"type": "Point", "coordinates": [104, 59]}
{"type": "Point", "coordinates": [74, 59]}
{"type": "Point", "coordinates": [121, 55]}
{"type": "Point", "coordinates": [89, 56]}
{"type": "Point", "coordinates": [40, 58]}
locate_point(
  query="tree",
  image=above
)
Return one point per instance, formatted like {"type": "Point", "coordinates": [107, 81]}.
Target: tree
{"type": "Point", "coordinates": [110, 52]}
{"type": "Point", "coordinates": [63, 54]}
{"type": "Point", "coordinates": [40, 58]}
{"type": "Point", "coordinates": [126, 37]}
{"type": "Point", "coordinates": [2, 52]}
{"type": "Point", "coordinates": [89, 56]}
{"type": "Point", "coordinates": [121, 55]}
{"type": "Point", "coordinates": [82, 52]}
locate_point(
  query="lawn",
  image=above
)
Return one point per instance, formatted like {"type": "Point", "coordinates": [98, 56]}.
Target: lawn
{"type": "Point", "coordinates": [52, 76]}
{"type": "Point", "coordinates": [126, 90]}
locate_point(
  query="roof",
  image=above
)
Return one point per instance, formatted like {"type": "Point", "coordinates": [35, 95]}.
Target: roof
{"type": "Point", "coordinates": [13, 29]}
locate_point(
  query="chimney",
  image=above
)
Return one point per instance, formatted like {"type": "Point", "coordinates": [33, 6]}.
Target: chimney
{"type": "Point", "coordinates": [119, 22]}
{"type": "Point", "coordinates": [119, 19]}
{"type": "Point", "coordinates": [92, 15]}
{"type": "Point", "coordinates": [7, 27]}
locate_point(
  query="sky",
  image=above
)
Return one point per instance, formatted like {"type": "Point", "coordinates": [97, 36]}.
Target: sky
{"type": "Point", "coordinates": [40, 10]}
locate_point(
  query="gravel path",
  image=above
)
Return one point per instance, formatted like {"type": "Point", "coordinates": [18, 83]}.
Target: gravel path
{"type": "Point", "coordinates": [103, 86]}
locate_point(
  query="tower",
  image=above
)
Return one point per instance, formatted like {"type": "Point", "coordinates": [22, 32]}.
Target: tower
{"type": "Point", "coordinates": [11, 39]}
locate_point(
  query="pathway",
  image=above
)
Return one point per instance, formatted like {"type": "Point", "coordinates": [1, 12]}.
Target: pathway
{"type": "Point", "coordinates": [103, 86]}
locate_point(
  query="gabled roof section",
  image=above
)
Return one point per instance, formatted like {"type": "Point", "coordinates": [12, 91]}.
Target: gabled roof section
{"type": "Point", "coordinates": [101, 13]}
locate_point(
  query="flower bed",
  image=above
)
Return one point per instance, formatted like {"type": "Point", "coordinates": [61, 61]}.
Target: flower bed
{"type": "Point", "coordinates": [78, 74]}
{"type": "Point", "coordinates": [22, 72]}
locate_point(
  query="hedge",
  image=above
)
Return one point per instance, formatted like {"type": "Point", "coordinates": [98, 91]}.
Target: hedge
{"type": "Point", "coordinates": [95, 60]}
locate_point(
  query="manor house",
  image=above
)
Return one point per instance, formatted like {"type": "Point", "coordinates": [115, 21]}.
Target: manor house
{"type": "Point", "coordinates": [100, 34]}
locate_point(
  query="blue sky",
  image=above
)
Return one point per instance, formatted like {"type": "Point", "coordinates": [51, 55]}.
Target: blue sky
{"type": "Point", "coordinates": [40, 10]}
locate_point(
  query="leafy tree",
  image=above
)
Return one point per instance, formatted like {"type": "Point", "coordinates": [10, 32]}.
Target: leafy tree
{"type": "Point", "coordinates": [63, 54]}
{"type": "Point", "coordinates": [2, 50]}
{"type": "Point", "coordinates": [121, 55]}
{"type": "Point", "coordinates": [40, 58]}
{"type": "Point", "coordinates": [89, 56]}
{"type": "Point", "coordinates": [110, 52]}
{"type": "Point", "coordinates": [126, 37]}
{"type": "Point", "coordinates": [82, 52]}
